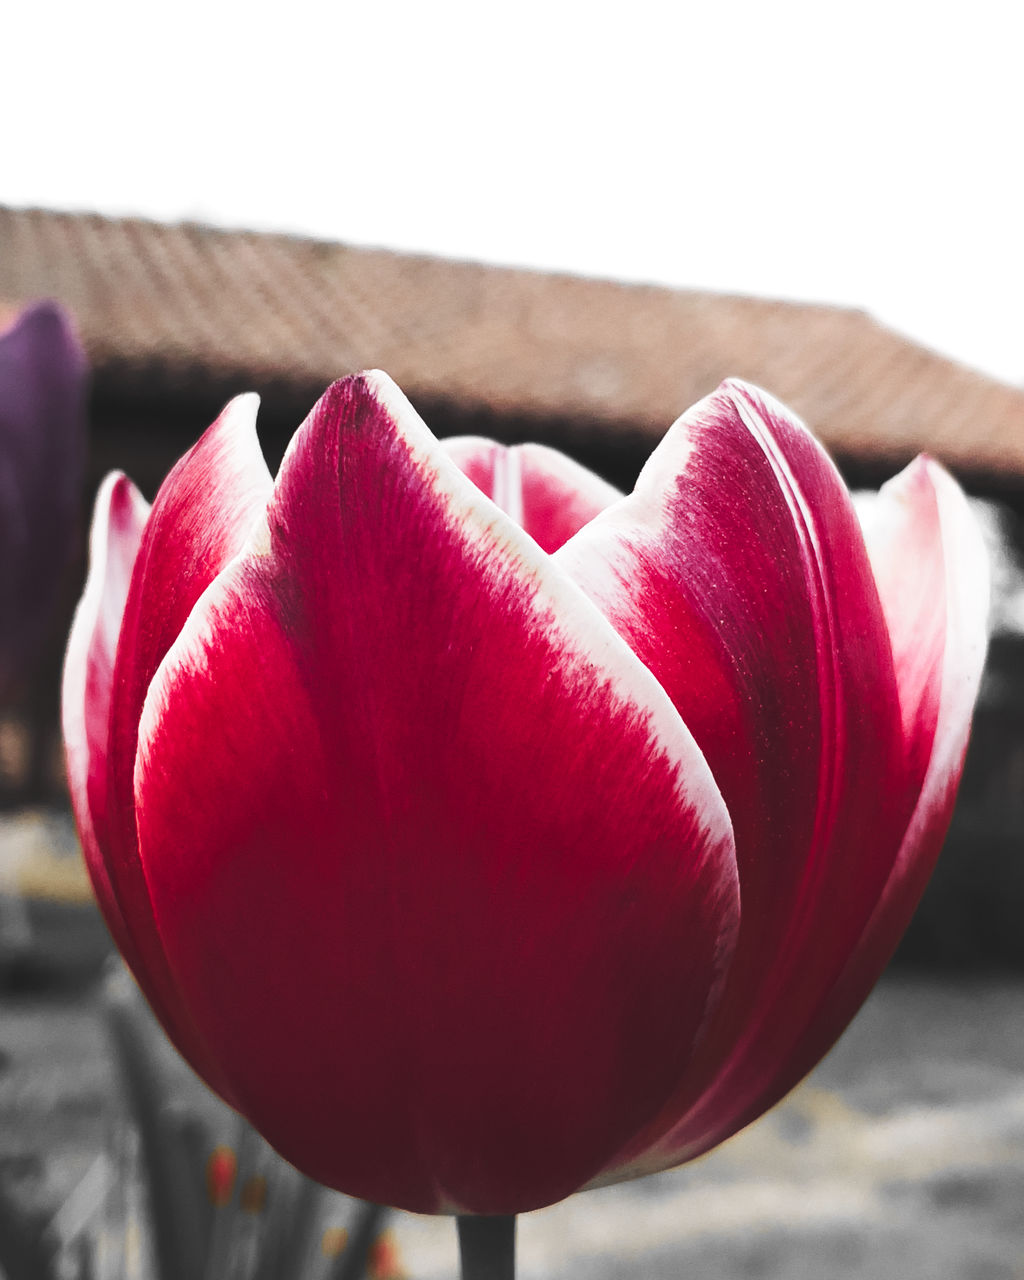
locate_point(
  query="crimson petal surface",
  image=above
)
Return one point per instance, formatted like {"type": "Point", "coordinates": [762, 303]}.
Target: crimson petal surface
{"type": "Point", "coordinates": [199, 520]}
{"type": "Point", "coordinates": [931, 566]}
{"type": "Point", "coordinates": [444, 879]}
{"type": "Point", "coordinates": [737, 572]}
{"type": "Point", "coordinates": [550, 495]}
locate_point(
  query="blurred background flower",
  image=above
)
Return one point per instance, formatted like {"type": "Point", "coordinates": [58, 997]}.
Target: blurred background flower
{"type": "Point", "coordinates": [42, 461]}
{"type": "Point", "coordinates": [42, 464]}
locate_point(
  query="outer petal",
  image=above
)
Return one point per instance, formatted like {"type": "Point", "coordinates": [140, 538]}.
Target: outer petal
{"type": "Point", "coordinates": [548, 494]}
{"type": "Point", "coordinates": [738, 573]}
{"type": "Point", "coordinates": [42, 454]}
{"type": "Point", "coordinates": [118, 521]}
{"type": "Point", "coordinates": [395, 723]}
{"type": "Point", "coordinates": [204, 509]}
{"type": "Point", "coordinates": [933, 575]}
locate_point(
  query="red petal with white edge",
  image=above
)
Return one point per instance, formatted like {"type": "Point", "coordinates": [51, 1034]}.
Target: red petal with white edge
{"type": "Point", "coordinates": [933, 576]}
{"type": "Point", "coordinates": [546, 493]}
{"type": "Point", "coordinates": [118, 521]}
{"type": "Point", "coordinates": [737, 572]}
{"type": "Point", "coordinates": [200, 519]}
{"type": "Point", "coordinates": [446, 882]}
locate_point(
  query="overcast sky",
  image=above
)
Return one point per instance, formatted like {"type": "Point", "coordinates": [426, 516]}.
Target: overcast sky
{"type": "Point", "coordinates": [866, 154]}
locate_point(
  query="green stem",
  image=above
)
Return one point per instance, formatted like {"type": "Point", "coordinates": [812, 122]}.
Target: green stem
{"type": "Point", "coordinates": [487, 1247]}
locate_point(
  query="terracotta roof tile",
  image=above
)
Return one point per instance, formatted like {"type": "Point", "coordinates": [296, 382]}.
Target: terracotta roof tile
{"type": "Point", "coordinates": [256, 307]}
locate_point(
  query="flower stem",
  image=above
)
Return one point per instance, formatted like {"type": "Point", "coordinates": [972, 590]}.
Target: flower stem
{"type": "Point", "coordinates": [487, 1247]}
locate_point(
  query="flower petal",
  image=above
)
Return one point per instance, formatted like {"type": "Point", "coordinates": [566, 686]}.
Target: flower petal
{"type": "Point", "coordinates": [738, 573]}
{"type": "Point", "coordinates": [933, 574]}
{"type": "Point", "coordinates": [42, 457]}
{"type": "Point", "coordinates": [117, 531]}
{"type": "Point", "coordinates": [201, 516]}
{"type": "Point", "coordinates": [118, 521]}
{"type": "Point", "coordinates": [512, 871]}
{"type": "Point", "coordinates": [546, 493]}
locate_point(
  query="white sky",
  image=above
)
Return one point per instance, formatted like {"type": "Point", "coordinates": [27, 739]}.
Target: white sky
{"type": "Point", "coordinates": [865, 154]}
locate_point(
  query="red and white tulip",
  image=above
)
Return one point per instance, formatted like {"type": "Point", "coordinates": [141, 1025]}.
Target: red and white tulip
{"type": "Point", "coordinates": [483, 834]}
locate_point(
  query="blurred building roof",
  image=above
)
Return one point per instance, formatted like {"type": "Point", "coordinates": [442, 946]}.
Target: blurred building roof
{"type": "Point", "coordinates": [169, 304]}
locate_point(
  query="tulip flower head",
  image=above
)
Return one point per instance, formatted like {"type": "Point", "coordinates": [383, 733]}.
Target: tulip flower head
{"type": "Point", "coordinates": [42, 454]}
{"type": "Point", "coordinates": [484, 834]}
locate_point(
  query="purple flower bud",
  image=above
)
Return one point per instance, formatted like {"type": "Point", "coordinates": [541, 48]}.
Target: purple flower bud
{"type": "Point", "coordinates": [42, 453]}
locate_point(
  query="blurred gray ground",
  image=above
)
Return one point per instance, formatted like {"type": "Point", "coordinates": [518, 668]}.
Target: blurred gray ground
{"type": "Point", "coordinates": [901, 1156]}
